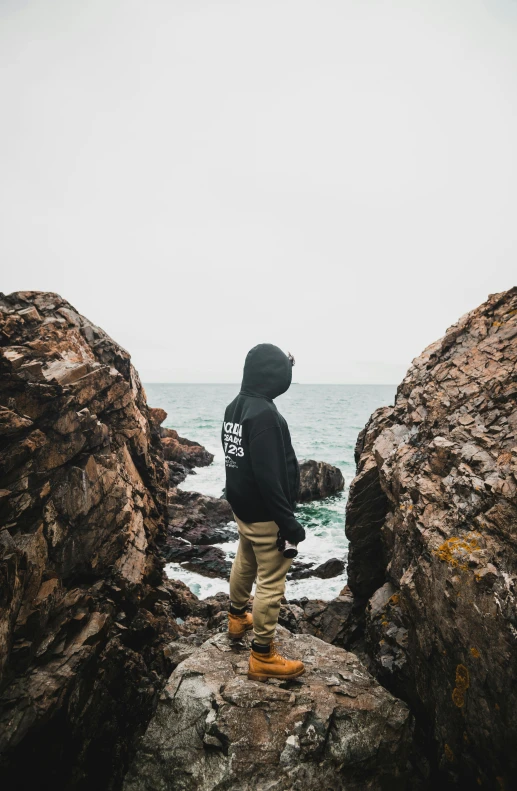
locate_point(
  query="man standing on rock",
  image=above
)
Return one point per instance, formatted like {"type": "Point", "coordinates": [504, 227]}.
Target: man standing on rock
{"type": "Point", "coordinates": [262, 482]}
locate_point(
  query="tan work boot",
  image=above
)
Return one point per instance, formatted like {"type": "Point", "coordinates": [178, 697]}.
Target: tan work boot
{"type": "Point", "coordinates": [238, 625]}
{"type": "Point", "coordinates": [268, 663]}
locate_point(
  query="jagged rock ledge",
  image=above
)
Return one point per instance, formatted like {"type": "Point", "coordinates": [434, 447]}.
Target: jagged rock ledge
{"type": "Point", "coordinates": [181, 454]}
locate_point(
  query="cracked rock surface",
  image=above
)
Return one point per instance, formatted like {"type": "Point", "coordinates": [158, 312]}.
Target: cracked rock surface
{"type": "Point", "coordinates": [85, 614]}
{"type": "Point", "coordinates": [432, 524]}
{"type": "Point", "coordinates": [331, 730]}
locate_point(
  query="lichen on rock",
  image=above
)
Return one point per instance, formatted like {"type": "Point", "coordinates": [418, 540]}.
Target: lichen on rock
{"type": "Point", "coordinates": [431, 520]}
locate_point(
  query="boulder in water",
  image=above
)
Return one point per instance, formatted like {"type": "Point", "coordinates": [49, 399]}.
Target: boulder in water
{"type": "Point", "coordinates": [330, 568]}
{"type": "Point", "coordinates": [319, 480]}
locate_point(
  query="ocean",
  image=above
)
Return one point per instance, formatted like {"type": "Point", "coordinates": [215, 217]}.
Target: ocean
{"type": "Point", "coordinates": [324, 421]}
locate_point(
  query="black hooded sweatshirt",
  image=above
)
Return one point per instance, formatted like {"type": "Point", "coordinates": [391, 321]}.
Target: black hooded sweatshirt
{"type": "Point", "coordinates": [262, 473]}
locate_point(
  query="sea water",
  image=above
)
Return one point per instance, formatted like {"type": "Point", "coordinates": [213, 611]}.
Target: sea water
{"type": "Point", "coordinates": [324, 421]}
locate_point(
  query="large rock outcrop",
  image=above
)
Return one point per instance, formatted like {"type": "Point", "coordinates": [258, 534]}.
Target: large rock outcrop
{"type": "Point", "coordinates": [176, 449]}
{"type": "Point", "coordinates": [85, 615]}
{"type": "Point", "coordinates": [335, 728]}
{"type": "Point", "coordinates": [432, 523]}
{"type": "Point", "coordinates": [318, 480]}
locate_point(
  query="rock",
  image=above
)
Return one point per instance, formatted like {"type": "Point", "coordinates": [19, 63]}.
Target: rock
{"type": "Point", "coordinates": [157, 415]}
{"type": "Point", "coordinates": [184, 451]}
{"type": "Point", "coordinates": [332, 621]}
{"type": "Point", "coordinates": [195, 522]}
{"type": "Point", "coordinates": [204, 559]}
{"type": "Point", "coordinates": [330, 568]}
{"type": "Point", "coordinates": [318, 480]}
{"type": "Point", "coordinates": [199, 518]}
{"type": "Point", "coordinates": [334, 728]}
{"type": "Point", "coordinates": [85, 613]}
{"type": "Point", "coordinates": [433, 559]}
{"type": "Point", "coordinates": [176, 473]}
{"type": "Point", "coordinates": [178, 449]}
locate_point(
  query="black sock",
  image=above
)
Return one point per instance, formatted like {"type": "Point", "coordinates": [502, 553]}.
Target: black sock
{"type": "Point", "coordinates": [237, 610]}
{"type": "Point", "coordinates": [260, 648]}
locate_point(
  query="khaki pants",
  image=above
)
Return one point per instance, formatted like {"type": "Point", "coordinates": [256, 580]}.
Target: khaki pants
{"type": "Point", "coordinates": [258, 557]}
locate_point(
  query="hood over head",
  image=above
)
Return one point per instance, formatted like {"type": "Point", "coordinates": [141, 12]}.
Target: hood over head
{"type": "Point", "coordinates": [267, 371]}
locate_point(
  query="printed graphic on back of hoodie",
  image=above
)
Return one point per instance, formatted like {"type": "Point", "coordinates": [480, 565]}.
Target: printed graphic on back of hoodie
{"type": "Point", "coordinates": [232, 440]}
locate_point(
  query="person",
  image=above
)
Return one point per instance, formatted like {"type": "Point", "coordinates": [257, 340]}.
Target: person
{"type": "Point", "coordinates": [262, 483]}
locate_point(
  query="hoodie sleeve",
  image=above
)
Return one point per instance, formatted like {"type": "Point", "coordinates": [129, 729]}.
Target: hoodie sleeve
{"type": "Point", "coordinates": [270, 471]}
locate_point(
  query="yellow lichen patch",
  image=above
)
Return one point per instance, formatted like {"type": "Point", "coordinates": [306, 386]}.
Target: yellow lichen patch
{"type": "Point", "coordinates": [462, 684]}
{"type": "Point", "coordinates": [448, 753]}
{"type": "Point", "coordinates": [462, 677]}
{"type": "Point", "coordinates": [395, 599]}
{"type": "Point", "coordinates": [385, 622]}
{"type": "Point", "coordinates": [475, 653]}
{"type": "Point", "coordinates": [458, 697]}
{"type": "Point", "coordinates": [455, 550]}
{"type": "Point", "coordinates": [497, 707]}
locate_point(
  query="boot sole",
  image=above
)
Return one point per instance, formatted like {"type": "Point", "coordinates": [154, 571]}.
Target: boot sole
{"type": "Point", "coordinates": [282, 677]}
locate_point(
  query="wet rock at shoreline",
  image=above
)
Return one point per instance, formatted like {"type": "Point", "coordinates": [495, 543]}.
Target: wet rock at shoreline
{"type": "Point", "coordinates": [204, 559]}
{"type": "Point", "coordinates": [333, 728]}
{"type": "Point", "coordinates": [431, 520]}
{"type": "Point", "coordinates": [330, 568]}
{"type": "Point", "coordinates": [319, 480]}
{"type": "Point", "coordinates": [196, 522]}
{"type": "Point", "coordinates": [178, 449]}
{"type": "Point", "coordinates": [199, 518]}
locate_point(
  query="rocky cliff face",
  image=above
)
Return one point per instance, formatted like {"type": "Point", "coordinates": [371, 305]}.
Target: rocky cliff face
{"type": "Point", "coordinates": [432, 523]}
{"type": "Point", "coordinates": [84, 613]}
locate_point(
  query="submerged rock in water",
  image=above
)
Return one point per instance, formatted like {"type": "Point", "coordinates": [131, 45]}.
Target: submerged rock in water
{"type": "Point", "coordinates": [318, 480]}
{"type": "Point", "coordinates": [333, 728]}
{"type": "Point", "coordinates": [431, 520]}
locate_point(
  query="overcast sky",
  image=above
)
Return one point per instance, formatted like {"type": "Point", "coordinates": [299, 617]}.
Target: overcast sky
{"type": "Point", "coordinates": [338, 178]}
